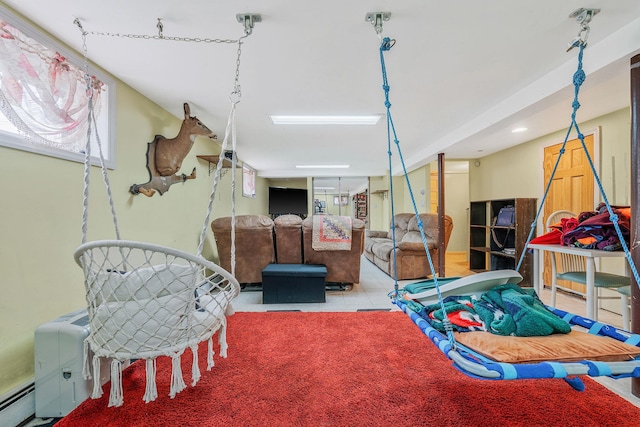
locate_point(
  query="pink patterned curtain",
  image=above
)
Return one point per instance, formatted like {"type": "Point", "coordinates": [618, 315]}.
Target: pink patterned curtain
{"type": "Point", "coordinates": [42, 94]}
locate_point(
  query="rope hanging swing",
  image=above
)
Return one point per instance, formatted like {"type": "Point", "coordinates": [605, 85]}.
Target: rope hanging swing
{"type": "Point", "coordinates": [146, 300]}
{"type": "Point", "coordinates": [386, 44]}
{"type": "Point", "coordinates": [466, 359]}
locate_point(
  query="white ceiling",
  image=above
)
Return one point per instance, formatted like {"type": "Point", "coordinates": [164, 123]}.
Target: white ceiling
{"type": "Point", "coordinates": [462, 73]}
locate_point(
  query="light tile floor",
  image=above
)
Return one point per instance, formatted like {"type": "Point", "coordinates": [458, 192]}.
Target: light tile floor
{"type": "Point", "coordinates": [371, 293]}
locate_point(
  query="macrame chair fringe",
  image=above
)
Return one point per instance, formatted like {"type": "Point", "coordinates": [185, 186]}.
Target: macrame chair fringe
{"type": "Point", "coordinates": [97, 387]}
{"type": "Point", "coordinates": [210, 353]}
{"type": "Point", "coordinates": [86, 369]}
{"type": "Point", "coordinates": [195, 369]}
{"type": "Point", "coordinates": [177, 382]}
{"type": "Point", "coordinates": [222, 338]}
{"type": "Point", "coordinates": [150, 390]}
{"type": "Point", "coordinates": [116, 397]}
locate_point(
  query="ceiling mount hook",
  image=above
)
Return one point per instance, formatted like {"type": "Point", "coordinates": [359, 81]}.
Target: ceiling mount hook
{"type": "Point", "coordinates": [376, 19]}
{"type": "Point", "coordinates": [248, 20]}
{"type": "Point", "coordinates": [583, 16]}
{"type": "Point", "coordinates": [160, 27]}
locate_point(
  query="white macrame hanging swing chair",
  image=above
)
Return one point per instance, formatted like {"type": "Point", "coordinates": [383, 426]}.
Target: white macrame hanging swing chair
{"type": "Point", "coordinates": [146, 300]}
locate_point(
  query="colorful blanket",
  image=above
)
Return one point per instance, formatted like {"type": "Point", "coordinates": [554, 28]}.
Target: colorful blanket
{"type": "Point", "coordinates": [331, 233]}
{"type": "Point", "coordinates": [503, 310]}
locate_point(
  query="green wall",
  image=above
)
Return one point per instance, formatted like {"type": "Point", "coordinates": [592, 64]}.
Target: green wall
{"type": "Point", "coordinates": [518, 171]}
{"type": "Point", "coordinates": [42, 212]}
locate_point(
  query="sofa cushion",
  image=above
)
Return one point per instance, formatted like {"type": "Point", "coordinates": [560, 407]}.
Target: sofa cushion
{"type": "Point", "coordinates": [289, 221]}
{"type": "Point", "coordinates": [429, 224]}
{"type": "Point", "coordinates": [376, 233]}
{"type": "Point", "coordinates": [412, 240]}
{"type": "Point", "coordinates": [242, 222]}
{"type": "Point", "coordinates": [382, 248]}
{"type": "Point", "coordinates": [288, 235]}
{"type": "Point", "coordinates": [400, 222]}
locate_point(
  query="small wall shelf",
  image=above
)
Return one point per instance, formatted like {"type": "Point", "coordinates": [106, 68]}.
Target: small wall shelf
{"type": "Point", "coordinates": [213, 161]}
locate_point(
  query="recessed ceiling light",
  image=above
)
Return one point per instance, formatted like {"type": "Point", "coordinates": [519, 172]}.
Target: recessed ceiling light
{"type": "Point", "coordinates": [322, 166]}
{"type": "Point", "coordinates": [519, 130]}
{"type": "Point", "coordinates": [325, 120]}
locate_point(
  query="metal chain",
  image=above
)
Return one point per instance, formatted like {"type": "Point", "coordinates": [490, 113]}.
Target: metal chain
{"type": "Point", "coordinates": [87, 76]}
{"type": "Point", "coordinates": [237, 93]}
{"type": "Point", "coordinates": [163, 37]}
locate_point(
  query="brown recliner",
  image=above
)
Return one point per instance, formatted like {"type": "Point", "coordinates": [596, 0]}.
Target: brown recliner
{"type": "Point", "coordinates": [342, 266]}
{"type": "Point", "coordinates": [412, 262]}
{"type": "Point", "coordinates": [254, 245]}
{"type": "Point", "coordinates": [288, 239]}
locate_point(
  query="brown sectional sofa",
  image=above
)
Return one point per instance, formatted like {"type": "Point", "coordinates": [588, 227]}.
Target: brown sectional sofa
{"type": "Point", "coordinates": [342, 266]}
{"type": "Point", "coordinates": [254, 245]}
{"type": "Point", "coordinates": [287, 240]}
{"type": "Point", "coordinates": [412, 262]}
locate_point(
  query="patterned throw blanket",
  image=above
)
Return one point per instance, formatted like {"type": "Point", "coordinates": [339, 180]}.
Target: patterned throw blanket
{"type": "Point", "coordinates": [331, 233]}
{"type": "Point", "coordinates": [503, 310]}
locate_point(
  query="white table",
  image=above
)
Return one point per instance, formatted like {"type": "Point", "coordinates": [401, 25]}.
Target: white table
{"type": "Point", "coordinates": [590, 258]}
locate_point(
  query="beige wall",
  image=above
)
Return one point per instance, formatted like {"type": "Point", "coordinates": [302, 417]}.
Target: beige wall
{"type": "Point", "coordinates": [41, 222]}
{"type": "Point", "coordinates": [518, 172]}
{"type": "Point", "coordinates": [456, 205]}
{"type": "Point", "coordinates": [379, 216]}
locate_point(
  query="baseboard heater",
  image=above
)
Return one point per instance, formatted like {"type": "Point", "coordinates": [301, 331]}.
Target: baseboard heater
{"type": "Point", "coordinates": [17, 405]}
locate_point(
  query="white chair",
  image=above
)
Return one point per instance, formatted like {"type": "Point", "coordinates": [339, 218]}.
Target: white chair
{"type": "Point", "coordinates": [146, 301]}
{"type": "Point", "coordinates": [573, 269]}
{"type": "Point", "coordinates": [625, 305]}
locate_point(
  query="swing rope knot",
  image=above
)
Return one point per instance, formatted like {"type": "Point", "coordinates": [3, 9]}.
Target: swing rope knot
{"type": "Point", "coordinates": [614, 218]}
{"type": "Point", "coordinates": [578, 78]}
{"type": "Point", "coordinates": [575, 105]}
{"type": "Point", "coordinates": [387, 104]}
{"type": "Point", "coordinates": [387, 43]}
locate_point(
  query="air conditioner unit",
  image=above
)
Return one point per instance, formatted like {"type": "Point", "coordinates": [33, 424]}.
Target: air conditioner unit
{"type": "Point", "coordinates": [59, 357]}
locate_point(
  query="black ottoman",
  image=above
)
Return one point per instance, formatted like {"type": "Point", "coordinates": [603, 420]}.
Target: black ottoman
{"type": "Point", "coordinates": [292, 283]}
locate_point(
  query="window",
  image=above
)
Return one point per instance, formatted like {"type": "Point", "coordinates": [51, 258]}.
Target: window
{"type": "Point", "coordinates": [248, 181]}
{"type": "Point", "coordinates": [340, 200]}
{"type": "Point", "coordinates": [43, 96]}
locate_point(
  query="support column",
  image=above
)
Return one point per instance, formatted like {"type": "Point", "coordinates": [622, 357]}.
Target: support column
{"type": "Point", "coordinates": [635, 200]}
{"type": "Point", "coordinates": [441, 211]}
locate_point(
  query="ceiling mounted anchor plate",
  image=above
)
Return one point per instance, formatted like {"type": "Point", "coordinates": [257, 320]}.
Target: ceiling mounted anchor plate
{"type": "Point", "coordinates": [377, 18]}
{"type": "Point", "coordinates": [583, 14]}
{"type": "Point", "coordinates": [248, 20]}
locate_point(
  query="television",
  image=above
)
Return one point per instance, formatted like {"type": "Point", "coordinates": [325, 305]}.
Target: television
{"type": "Point", "coordinates": [287, 201]}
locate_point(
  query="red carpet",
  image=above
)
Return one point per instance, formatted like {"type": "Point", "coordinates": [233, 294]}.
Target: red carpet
{"type": "Point", "coordinates": [346, 369]}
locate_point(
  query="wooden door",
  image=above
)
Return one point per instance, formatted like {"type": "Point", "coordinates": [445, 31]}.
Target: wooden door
{"type": "Point", "coordinates": [571, 189]}
{"type": "Point", "coordinates": [433, 192]}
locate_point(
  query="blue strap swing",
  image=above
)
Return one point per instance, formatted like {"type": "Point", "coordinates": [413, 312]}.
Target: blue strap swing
{"type": "Point", "coordinates": [464, 358]}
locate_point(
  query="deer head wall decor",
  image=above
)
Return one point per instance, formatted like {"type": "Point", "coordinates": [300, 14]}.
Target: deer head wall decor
{"type": "Point", "coordinates": [165, 156]}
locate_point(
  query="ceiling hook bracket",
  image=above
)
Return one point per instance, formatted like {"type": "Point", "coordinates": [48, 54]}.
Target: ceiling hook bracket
{"type": "Point", "coordinates": [583, 16]}
{"type": "Point", "coordinates": [79, 25]}
{"type": "Point", "coordinates": [160, 27]}
{"type": "Point", "coordinates": [376, 19]}
{"type": "Point", "coordinates": [248, 20]}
